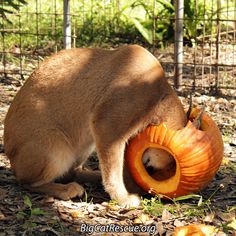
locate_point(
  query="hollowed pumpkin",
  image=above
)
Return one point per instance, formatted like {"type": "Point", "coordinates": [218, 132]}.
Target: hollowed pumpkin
{"type": "Point", "coordinates": [197, 153]}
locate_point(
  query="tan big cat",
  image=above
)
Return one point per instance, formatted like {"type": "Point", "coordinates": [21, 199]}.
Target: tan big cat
{"type": "Point", "coordinates": [79, 100]}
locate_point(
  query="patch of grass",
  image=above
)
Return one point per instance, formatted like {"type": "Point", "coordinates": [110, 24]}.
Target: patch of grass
{"type": "Point", "coordinates": [184, 206]}
{"type": "Point", "coordinates": [154, 206]}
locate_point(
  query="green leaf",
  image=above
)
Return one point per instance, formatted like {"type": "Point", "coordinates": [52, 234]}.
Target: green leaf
{"type": "Point", "coordinates": [186, 197]}
{"type": "Point", "coordinates": [15, 6]}
{"type": "Point", "coordinates": [3, 10]}
{"type": "Point", "coordinates": [21, 215]}
{"type": "Point", "coordinates": [23, 2]}
{"type": "Point", "coordinates": [38, 211]}
{"type": "Point", "coordinates": [166, 4]}
{"type": "Point", "coordinates": [29, 225]}
{"type": "Point", "coordinates": [147, 34]}
{"type": "Point", "coordinates": [27, 202]}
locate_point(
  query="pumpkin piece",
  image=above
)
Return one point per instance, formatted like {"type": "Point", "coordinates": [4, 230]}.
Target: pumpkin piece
{"type": "Point", "coordinates": [195, 230]}
{"type": "Point", "coordinates": [197, 155]}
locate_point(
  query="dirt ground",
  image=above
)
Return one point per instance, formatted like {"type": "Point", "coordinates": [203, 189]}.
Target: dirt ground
{"type": "Point", "coordinates": [24, 213]}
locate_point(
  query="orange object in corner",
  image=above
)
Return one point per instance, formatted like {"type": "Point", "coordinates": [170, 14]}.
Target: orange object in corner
{"type": "Point", "coordinates": [195, 230]}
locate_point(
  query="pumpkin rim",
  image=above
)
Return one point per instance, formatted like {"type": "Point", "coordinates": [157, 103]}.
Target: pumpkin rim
{"type": "Point", "coordinates": [157, 184]}
{"type": "Point", "coordinates": [148, 183]}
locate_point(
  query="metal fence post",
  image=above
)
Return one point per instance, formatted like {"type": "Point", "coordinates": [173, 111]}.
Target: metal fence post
{"type": "Point", "coordinates": [179, 12]}
{"type": "Point", "coordinates": [67, 24]}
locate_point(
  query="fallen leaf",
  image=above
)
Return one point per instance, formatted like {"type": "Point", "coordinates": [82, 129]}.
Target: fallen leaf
{"type": "Point", "coordinates": [142, 219]}
{"type": "Point", "coordinates": [232, 224]}
{"type": "Point", "coordinates": [3, 193]}
{"type": "Point", "coordinates": [77, 214]}
{"type": "Point", "coordinates": [209, 218]}
{"type": "Point", "coordinates": [160, 228]}
{"type": "Point", "coordinates": [2, 216]}
{"type": "Point", "coordinates": [113, 207]}
{"type": "Point", "coordinates": [178, 223]}
{"type": "Point", "coordinates": [225, 161]}
{"type": "Point", "coordinates": [166, 215]}
{"type": "Point", "coordinates": [226, 216]}
{"type": "Point", "coordinates": [48, 200]}
{"type": "Point", "coordinates": [48, 229]}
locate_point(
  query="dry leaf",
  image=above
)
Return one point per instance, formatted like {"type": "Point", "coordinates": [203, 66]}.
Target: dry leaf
{"type": "Point", "coordinates": [209, 218]}
{"type": "Point", "coordinates": [113, 207]}
{"type": "Point", "coordinates": [232, 224]}
{"type": "Point", "coordinates": [166, 215]}
{"type": "Point", "coordinates": [226, 216]}
{"type": "Point", "coordinates": [48, 200]}
{"type": "Point", "coordinates": [225, 161]}
{"type": "Point", "coordinates": [160, 228]}
{"type": "Point", "coordinates": [77, 214]}
{"type": "Point", "coordinates": [142, 219]}
{"type": "Point", "coordinates": [3, 193]}
{"type": "Point", "coordinates": [2, 216]}
{"type": "Point", "coordinates": [178, 223]}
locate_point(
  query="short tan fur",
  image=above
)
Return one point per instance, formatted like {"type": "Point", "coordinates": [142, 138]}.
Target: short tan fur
{"type": "Point", "coordinates": [79, 100]}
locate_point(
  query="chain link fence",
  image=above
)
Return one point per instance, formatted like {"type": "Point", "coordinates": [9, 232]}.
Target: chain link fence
{"type": "Point", "coordinates": [194, 40]}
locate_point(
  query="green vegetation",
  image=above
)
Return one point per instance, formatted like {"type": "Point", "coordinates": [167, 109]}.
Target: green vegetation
{"type": "Point", "coordinates": [29, 214]}
{"type": "Point", "coordinates": [201, 19]}
{"type": "Point", "coordinates": [155, 206]}
{"type": "Point", "coordinates": [180, 205]}
{"type": "Point", "coordinates": [9, 7]}
{"type": "Point", "coordinates": [111, 22]}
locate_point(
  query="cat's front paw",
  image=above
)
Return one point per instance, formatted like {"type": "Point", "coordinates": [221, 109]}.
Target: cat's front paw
{"type": "Point", "coordinates": [130, 200]}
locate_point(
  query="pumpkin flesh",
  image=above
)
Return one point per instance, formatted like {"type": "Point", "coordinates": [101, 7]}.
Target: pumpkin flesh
{"type": "Point", "coordinates": [197, 153]}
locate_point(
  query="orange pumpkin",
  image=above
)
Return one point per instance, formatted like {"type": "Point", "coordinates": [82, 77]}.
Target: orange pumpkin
{"type": "Point", "coordinates": [197, 153]}
{"type": "Point", "coordinates": [195, 230]}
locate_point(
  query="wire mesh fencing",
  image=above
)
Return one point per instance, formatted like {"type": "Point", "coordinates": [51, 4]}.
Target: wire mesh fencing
{"type": "Point", "coordinates": [31, 30]}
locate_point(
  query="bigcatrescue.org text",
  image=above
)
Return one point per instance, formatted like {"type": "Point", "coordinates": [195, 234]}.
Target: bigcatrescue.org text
{"type": "Point", "coordinates": [115, 228]}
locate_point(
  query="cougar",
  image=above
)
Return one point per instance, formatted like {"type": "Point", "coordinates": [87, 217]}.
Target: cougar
{"type": "Point", "coordinates": [79, 100]}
